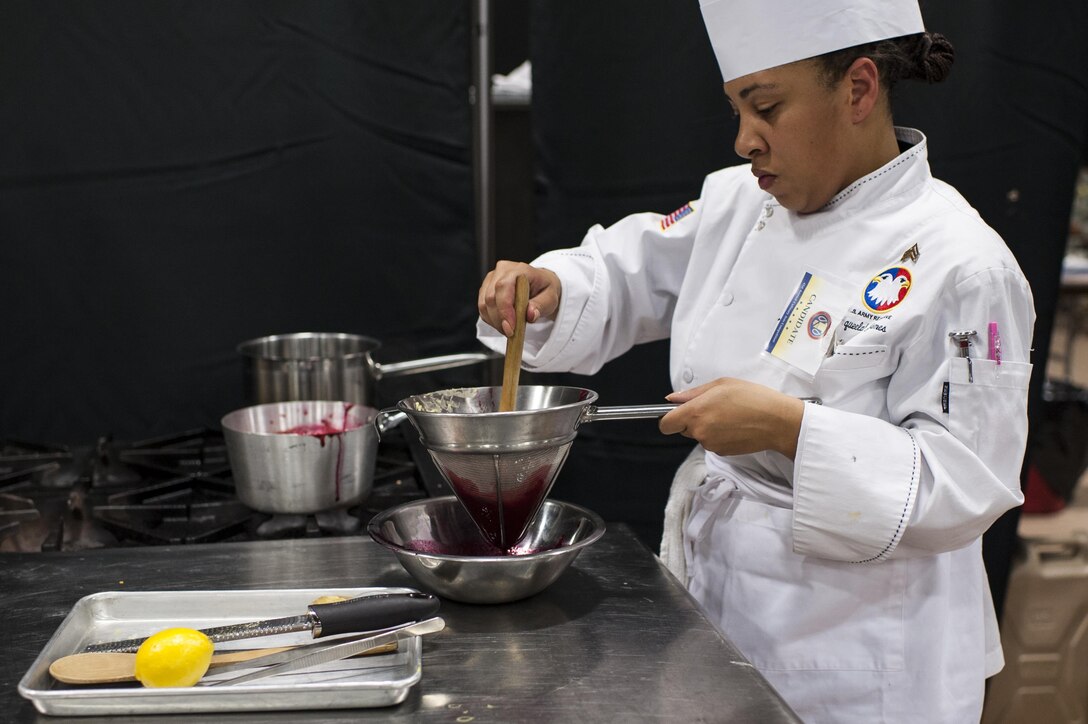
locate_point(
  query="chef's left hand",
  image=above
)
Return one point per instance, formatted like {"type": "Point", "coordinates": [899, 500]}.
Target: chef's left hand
{"type": "Point", "coordinates": [734, 417]}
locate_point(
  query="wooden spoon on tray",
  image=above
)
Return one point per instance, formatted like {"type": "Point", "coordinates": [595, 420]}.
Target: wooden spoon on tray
{"type": "Point", "coordinates": [511, 368]}
{"type": "Point", "coordinates": [113, 668]}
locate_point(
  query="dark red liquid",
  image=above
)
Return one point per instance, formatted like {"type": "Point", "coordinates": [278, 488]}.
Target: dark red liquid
{"type": "Point", "coordinates": [319, 429]}
{"type": "Point", "coordinates": [518, 506]}
{"type": "Point", "coordinates": [326, 428]}
{"type": "Point", "coordinates": [477, 547]}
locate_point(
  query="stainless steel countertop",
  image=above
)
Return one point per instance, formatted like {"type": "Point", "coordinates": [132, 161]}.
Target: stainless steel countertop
{"type": "Point", "coordinates": [616, 638]}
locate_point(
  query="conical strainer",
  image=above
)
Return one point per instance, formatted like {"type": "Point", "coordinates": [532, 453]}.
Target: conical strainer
{"type": "Point", "coordinates": [502, 465]}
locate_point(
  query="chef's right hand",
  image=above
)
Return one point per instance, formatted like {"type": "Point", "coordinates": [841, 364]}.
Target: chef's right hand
{"type": "Point", "coordinates": [496, 299]}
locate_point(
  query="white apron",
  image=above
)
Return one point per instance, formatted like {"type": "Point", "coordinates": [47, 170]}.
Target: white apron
{"type": "Point", "coordinates": [836, 647]}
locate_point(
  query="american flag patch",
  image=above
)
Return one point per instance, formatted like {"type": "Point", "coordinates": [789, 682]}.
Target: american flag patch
{"type": "Point", "coordinates": [676, 216]}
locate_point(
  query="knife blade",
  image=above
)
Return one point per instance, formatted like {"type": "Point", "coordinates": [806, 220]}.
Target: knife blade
{"type": "Point", "coordinates": [364, 613]}
{"type": "Point", "coordinates": [338, 651]}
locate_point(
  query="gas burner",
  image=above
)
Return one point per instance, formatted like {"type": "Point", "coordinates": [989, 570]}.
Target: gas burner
{"type": "Point", "coordinates": [187, 490]}
{"type": "Point", "coordinates": [391, 493]}
{"type": "Point", "coordinates": [27, 462]}
{"type": "Point", "coordinates": [191, 509]}
{"type": "Point", "coordinates": [194, 452]}
{"type": "Point", "coordinates": [14, 509]}
{"type": "Point", "coordinates": [330, 522]}
{"type": "Point", "coordinates": [16, 479]}
{"type": "Point", "coordinates": [14, 450]}
{"type": "Point", "coordinates": [394, 467]}
{"type": "Point", "coordinates": [106, 470]}
{"type": "Point", "coordinates": [51, 519]}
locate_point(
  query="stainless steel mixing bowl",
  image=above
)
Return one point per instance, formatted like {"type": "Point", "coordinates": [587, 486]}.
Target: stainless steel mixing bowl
{"type": "Point", "coordinates": [438, 543]}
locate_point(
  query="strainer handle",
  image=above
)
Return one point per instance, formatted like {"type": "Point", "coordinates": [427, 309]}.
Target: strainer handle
{"type": "Point", "coordinates": [590, 413]}
{"type": "Point", "coordinates": [624, 412]}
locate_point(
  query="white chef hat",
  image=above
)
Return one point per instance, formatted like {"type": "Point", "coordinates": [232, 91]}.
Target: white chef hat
{"type": "Point", "coordinates": [752, 35]}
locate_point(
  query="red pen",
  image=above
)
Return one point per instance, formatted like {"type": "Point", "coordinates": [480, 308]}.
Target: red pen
{"type": "Point", "coordinates": [995, 343]}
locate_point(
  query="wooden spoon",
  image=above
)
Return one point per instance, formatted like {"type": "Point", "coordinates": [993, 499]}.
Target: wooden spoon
{"type": "Point", "coordinates": [109, 668]}
{"type": "Point", "coordinates": [511, 368]}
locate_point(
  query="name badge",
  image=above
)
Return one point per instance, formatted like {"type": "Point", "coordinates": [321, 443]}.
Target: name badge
{"type": "Point", "coordinates": [806, 329]}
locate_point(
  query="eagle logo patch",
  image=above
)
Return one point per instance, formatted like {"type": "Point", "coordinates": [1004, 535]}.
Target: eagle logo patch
{"type": "Point", "coordinates": [887, 289]}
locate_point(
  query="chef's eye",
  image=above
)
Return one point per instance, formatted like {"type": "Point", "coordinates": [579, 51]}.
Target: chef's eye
{"type": "Point", "coordinates": [767, 111]}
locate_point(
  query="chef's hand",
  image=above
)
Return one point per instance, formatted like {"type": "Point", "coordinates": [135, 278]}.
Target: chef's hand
{"type": "Point", "coordinates": [734, 417]}
{"type": "Point", "coordinates": [496, 299]}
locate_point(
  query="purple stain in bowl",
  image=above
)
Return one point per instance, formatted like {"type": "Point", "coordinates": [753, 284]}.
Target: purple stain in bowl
{"type": "Point", "coordinates": [474, 548]}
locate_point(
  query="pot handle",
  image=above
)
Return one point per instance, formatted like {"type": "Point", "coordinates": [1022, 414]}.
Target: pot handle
{"type": "Point", "coordinates": [387, 419]}
{"type": "Point", "coordinates": [432, 364]}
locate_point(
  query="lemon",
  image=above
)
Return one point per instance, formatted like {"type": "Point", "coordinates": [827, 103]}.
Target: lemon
{"type": "Point", "coordinates": [173, 657]}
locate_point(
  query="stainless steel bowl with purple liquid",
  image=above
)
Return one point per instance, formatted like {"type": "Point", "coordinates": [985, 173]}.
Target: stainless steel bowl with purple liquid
{"type": "Point", "coordinates": [440, 545]}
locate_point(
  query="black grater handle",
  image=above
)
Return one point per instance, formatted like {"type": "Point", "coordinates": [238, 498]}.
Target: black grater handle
{"type": "Point", "coordinates": [370, 613]}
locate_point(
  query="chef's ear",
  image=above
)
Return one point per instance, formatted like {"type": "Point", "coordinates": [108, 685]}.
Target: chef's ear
{"type": "Point", "coordinates": [863, 80]}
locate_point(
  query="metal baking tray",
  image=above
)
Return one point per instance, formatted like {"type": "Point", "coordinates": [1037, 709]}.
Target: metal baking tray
{"type": "Point", "coordinates": [369, 681]}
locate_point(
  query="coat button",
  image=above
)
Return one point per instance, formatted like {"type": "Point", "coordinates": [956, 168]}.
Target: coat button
{"type": "Point", "coordinates": [727, 298]}
{"type": "Point", "coordinates": [688, 376]}
{"type": "Point", "coordinates": [760, 225]}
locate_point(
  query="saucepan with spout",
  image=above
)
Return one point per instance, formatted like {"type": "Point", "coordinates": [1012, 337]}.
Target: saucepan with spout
{"type": "Point", "coordinates": [304, 456]}
{"type": "Point", "coordinates": [328, 366]}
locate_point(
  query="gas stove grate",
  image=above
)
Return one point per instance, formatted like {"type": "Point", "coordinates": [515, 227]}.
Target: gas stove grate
{"type": "Point", "coordinates": [172, 489]}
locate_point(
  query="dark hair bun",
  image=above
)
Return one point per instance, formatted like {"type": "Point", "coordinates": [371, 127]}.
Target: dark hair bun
{"type": "Point", "coordinates": [933, 56]}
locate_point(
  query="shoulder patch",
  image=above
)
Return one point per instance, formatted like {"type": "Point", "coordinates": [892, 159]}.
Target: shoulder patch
{"type": "Point", "coordinates": [675, 216]}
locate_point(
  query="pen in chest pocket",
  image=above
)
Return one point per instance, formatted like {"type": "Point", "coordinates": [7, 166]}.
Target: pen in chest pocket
{"type": "Point", "coordinates": [995, 343]}
{"type": "Point", "coordinates": [963, 339]}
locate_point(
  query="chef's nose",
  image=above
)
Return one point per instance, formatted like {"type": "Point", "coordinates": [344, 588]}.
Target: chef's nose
{"type": "Point", "coordinates": [748, 143]}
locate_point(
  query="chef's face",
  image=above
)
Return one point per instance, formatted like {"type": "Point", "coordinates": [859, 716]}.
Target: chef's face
{"type": "Point", "coordinates": [796, 131]}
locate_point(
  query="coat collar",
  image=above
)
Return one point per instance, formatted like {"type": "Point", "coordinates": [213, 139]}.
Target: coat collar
{"type": "Point", "coordinates": [892, 184]}
{"type": "Point", "coordinates": [905, 170]}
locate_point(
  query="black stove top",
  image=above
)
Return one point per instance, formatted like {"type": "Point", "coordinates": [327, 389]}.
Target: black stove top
{"type": "Point", "coordinates": [175, 489]}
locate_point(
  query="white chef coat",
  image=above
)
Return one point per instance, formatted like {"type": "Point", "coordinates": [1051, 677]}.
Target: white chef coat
{"type": "Point", "coordinates": [852, 577]}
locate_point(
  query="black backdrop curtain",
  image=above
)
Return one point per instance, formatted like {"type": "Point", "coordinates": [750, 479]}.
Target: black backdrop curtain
{"type": "Point", "coordinates": [178, 176]}
{"type": "Point", "coordinates": [628, 116]}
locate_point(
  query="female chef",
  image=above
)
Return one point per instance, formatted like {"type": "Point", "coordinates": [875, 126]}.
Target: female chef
{"type": "Point", "coordinates": [837, 544]}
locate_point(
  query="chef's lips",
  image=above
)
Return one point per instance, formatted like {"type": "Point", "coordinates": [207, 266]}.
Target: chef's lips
{"type": "Point", "coordinates": [365, 613]}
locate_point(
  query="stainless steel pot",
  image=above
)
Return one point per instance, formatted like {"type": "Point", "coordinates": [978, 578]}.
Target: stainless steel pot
{"type": "Point", "coordinates": [304, 457]}
{"type": "Point", "coordinates": [328, 366]}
